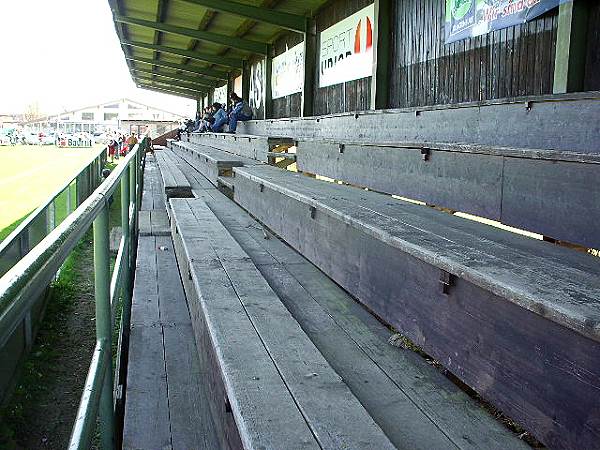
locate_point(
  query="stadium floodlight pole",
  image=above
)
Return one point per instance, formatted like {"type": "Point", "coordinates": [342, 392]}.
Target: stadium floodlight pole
{"type": "Point", "coordinates": [259, 48]}
{"type": "Point", "coordinates": [210, 73]}
{"type": "Point", "coordinates": [206, 57]}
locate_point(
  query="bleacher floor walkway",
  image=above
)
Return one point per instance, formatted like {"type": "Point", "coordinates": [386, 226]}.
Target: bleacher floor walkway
{"type": "Point", "coordinates": [165, 400]}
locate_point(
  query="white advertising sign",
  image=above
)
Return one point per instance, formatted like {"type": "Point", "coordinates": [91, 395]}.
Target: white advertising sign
{"type": "Point", "coordinates": [220, 95]}
{"type": "Point", "coordinates": [346, 51]}
{"type": "Point", "coordinates": [287, 72]}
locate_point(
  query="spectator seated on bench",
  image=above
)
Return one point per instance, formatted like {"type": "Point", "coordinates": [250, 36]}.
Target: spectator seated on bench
{"type": "Point", "coordinates": [206, 121]}
{"type": "Point", "coordinates": [241, 112]}
{"type": "Point", "coordinates": [220, 117]}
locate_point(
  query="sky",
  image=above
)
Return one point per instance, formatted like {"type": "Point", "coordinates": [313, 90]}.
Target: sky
{"type": "Point", "coordinates": [65, 54]}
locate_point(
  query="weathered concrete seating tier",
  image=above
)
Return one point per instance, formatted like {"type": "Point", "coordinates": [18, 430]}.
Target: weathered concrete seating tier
{"type": "Point", "coordinates": [270, 386]}
{"type": "Point", "coordinates": [532, 122]}
{"type": "Point", "coordinates": [248, 146]}
{"type": "Point", "coordinates": [515, 318]}
{"type": "Point", "coordinates": [549, 192]}
{"type": "Point", "coordinates": [174, 182]}
{"type": "Point", "coordinates": [209, 161]}
{"type": "Point", "coordinates": [165, 396]}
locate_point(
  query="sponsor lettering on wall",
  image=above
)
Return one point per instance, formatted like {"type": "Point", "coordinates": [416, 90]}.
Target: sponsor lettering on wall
{"type": "Point", "coordinates": [257, 87]}
{"type": "Point", "coordinates": [346, 49]}
{"type": "Point", "coordinates": [287, 72]}
{"type": "Point", "coordinates": [469, 18]}
{"type": "Point", "coordinates": [220, 95]}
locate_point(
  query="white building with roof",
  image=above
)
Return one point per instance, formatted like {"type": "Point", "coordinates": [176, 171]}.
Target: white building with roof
{"type": "Point", "coordinates": [123, 115]}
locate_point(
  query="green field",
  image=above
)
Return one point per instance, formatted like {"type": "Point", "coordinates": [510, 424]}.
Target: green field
{"type": "Point", "coordinates": [29, 174]}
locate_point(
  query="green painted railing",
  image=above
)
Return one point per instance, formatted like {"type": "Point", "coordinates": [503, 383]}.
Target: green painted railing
{"type": "Point", "coordinates": [25, 282]}
{"type": "Point", "coordinates": [44, 219]}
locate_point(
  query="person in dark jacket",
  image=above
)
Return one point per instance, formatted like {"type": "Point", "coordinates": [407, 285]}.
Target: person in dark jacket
{"type": "Point", "coordinates": [220, 117]}
{"type": "Point", "coordinates": [241, 111]}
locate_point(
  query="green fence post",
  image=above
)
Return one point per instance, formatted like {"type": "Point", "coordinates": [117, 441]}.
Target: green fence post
{"type": "Point", "coordinates": [50, 217]}
{"type": "Point", "coordinates": [103, 325]}
{"type": "Point", "coordinates": [68, 200]}
{"type": "Point", "coordinates": [128, 247]}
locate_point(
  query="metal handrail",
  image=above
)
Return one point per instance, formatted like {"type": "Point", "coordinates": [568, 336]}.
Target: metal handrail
{"type": "Point", "coordinates": [29, 277]}
{"type": "Point", "coordinates": [21, 233]}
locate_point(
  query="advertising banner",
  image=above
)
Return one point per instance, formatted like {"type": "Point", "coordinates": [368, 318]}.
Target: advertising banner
{"type": "Point", "coordinates": [469, 18]}
{"type": "Point", "coordinates": [257, 87]}
{"type": "Point", "coordinates": [287, 72]}
{"type": "Point", "coordinates": [346, 50]}
{"type": "Point", "coordinates": [220, 95]}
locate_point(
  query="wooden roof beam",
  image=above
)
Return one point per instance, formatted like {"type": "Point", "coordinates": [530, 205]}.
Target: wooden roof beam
{"type": "Point", "coordinates": [207, 72]}
{"type": "Point", "coordinates": [206, 57]}
{"type": "Point", "coordinates": [174, 76]}
{"type": "Point", "coordinates": [168, 85]}
{"type": "Point", "coordinates": [280, 19]}
{"type": "Point", "coordinates": [175, 92]}
{"type": "Point", "coordinates": [232, 42]}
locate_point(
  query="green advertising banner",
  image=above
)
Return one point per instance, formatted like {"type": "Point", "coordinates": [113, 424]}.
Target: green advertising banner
{"type": "Point", "coordinates": [468, 18]}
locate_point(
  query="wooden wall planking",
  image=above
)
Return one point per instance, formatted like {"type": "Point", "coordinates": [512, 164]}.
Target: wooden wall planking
{"type": "Point", "coordinates": [592, 72]}
{"type": "Point", "coordinates": [511, 62]}
{"type": "Point", "coordinates": [352, 95]}
{"type": "Point", "coordinates": [290, 105]}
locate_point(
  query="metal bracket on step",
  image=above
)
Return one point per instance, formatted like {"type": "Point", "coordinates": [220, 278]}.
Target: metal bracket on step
{"type": "Point", "coordinates": [313, 212]}
{"type": "Point", "coordinates": [425, 153]}
{"type": "Point", "coordinates": [262, 187]}
{"type": "Point", "coordinates": [446, 280]}
{"type": "Point", "coordinates": [341, 148]}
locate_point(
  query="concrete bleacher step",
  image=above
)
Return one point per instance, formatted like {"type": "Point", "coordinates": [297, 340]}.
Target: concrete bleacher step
{"type": "Point", "coordinates": [245, 145]}
{"type": "Point", "coordinates": [211, 162]}
{"type": "Point", "coordinates": [526, 188]}
{"type": "Point", "coordinates": [279, 388]}
{"type": "Point", "coordinates": [175, 183]}
{"type": "Point", "coordinates": [504, 313]}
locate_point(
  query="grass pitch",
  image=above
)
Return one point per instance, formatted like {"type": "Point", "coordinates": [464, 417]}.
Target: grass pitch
{"type": "Point", "coordinates": [29, 174]}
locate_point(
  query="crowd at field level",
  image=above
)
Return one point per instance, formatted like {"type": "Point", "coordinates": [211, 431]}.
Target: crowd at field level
{"type": "Point", "coordinates": [119, 145]}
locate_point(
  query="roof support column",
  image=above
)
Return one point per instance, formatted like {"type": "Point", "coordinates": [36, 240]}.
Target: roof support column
{"type": "Point", "coordinates": [380, 80]}
{"type": "Point", "coordinates": [571, 46]}
{"type": "Point", "coordinates": [267, 91]}
{"type": "Point", "coordinates": [245, 82]}
{"type": "Point", "coordinates": [310, 61]}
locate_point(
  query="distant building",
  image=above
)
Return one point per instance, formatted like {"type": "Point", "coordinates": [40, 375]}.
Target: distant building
{"type": "Point", "coordinates": [124, 115]}
{"type": "Point", "coordinates": [11, 120]}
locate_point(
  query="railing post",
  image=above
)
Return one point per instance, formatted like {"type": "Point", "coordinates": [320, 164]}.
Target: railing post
{"type": "Point", "coordinates": [50, 217]}
{"type": "Point", "coordinates": [103, 325]}
{"type": "Point", "coordinates": [128, 247]}
{"type": "Point", "coordinates": [68, 200]}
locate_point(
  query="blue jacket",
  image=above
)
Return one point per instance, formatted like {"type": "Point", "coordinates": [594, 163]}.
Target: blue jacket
{"type": "Point", "coordinates": [220, 115]}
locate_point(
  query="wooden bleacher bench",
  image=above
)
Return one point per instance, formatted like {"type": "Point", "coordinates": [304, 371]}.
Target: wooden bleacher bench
{"type": "Point", "coordinates": [246, 145]}
{"type": "Point", "coordinates": [550, 192]}
{"type": "Point", "coordinates": [211, 162]}
{"type": "Point", "coordinates": [174, 181]}
{"type": "Point", "coordinates": [504, 313]}
{"type": "Point", "coordinates": [165, 398]}
{"type": "Point", "coordinates": [267, 373]}
{"type": "Point", "coordinates": [526, 122]}
{"type": "Point", "coordinates": [216, 238]}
